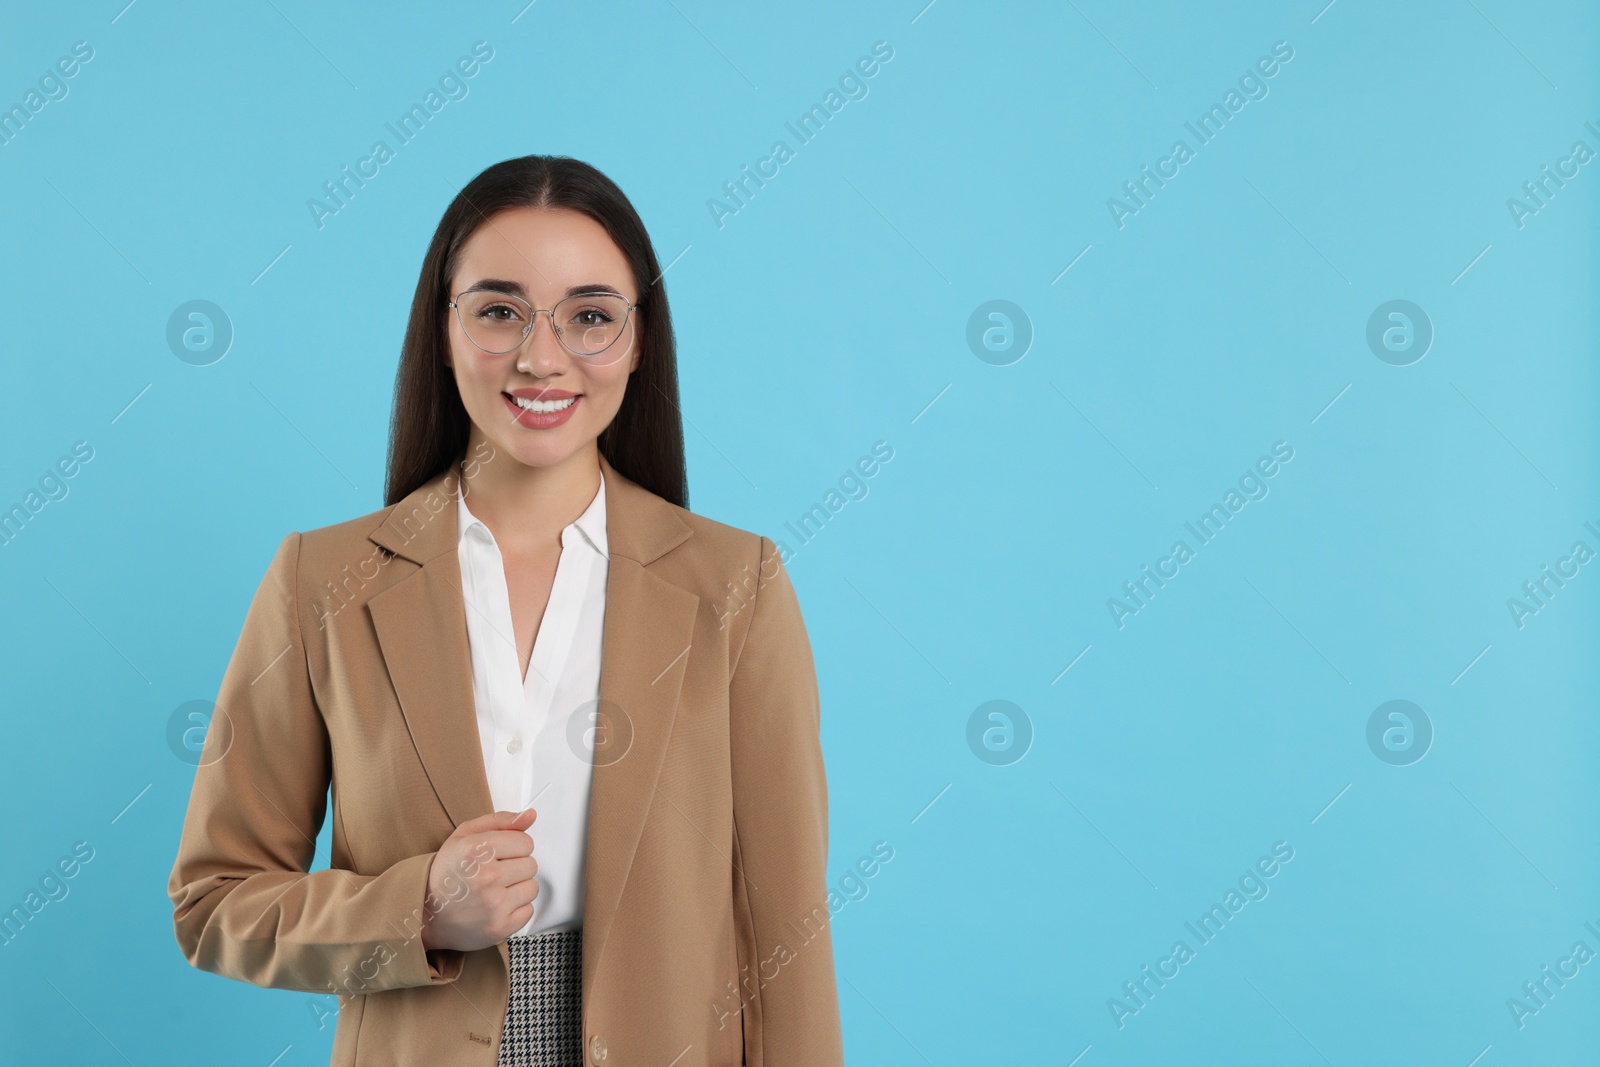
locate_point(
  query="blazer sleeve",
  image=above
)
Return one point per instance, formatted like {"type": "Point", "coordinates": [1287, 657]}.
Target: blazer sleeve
{"type": "Point", "coordinates": [245, 904]}
{"type": "Point", "coordinates": [780, 814]}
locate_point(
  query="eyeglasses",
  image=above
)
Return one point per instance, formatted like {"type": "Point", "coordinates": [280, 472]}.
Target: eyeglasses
{"type": "Point", "coordinates": [586, 324]}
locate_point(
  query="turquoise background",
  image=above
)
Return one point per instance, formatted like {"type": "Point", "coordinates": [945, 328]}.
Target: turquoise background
{"type": "Point", "coordinates": [831, 312]}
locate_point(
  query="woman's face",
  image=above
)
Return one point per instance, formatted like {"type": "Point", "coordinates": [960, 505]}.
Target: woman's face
{"type": "Point", "coordinates": [542, 255]}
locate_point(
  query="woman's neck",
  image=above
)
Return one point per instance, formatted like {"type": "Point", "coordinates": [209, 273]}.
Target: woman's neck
{"type": "Point", "coordinates": [527, 507]}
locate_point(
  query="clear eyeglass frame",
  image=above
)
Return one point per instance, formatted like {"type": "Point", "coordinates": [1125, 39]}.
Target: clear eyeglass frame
{"type": "Point", "coordinates": [533, 317]}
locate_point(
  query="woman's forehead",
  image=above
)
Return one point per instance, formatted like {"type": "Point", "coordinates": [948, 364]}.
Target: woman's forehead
{"type": "Point", "coordinates": [544, 248]}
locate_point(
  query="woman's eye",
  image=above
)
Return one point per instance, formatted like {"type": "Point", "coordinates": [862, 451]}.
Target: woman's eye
{"type": "Point", "coordinates": [498, 313]}
{"type": "Point", "coordinates": [590, 317]}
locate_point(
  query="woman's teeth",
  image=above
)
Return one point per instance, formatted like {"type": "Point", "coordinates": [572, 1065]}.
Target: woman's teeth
{"type": "Point", "coordinates": [544, 407]}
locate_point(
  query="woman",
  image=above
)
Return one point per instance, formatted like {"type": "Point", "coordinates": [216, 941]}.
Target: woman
{"type": "Point", "coordinates": [614, 855]}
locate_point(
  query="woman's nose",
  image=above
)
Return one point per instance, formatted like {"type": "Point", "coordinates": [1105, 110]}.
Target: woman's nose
{"type": "Point", "coordinates": [543, 346]}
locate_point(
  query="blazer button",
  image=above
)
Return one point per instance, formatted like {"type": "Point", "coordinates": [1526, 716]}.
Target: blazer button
{"type": "Point", "coordinates": [597, 1049]}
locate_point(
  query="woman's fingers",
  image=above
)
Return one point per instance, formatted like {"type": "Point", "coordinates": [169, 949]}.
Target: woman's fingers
{"type": "Point", "coordinates": [497, 820]}
{"type": "Point", "coordinates": [523, 892]}
{"type": "Point", "coordinates": [519, 869]}
{"type": "Point", "coordinates": [508, 843]}
{"type": "Point", "coordinates": [519, 918]}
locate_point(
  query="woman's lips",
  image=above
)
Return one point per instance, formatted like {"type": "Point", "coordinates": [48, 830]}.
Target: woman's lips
{"type": "Point", "coordinates": [540, 420]}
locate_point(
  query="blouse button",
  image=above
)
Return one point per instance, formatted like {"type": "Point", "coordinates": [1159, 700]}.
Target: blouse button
{"type": "Point", "coordinates": [597, 1049]}
{"type": "Point", "coordinates": [514, 745]}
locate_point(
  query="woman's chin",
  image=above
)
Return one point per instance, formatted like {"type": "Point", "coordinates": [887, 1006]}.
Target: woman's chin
{"type": "Point", "coordinates": [549, 451]}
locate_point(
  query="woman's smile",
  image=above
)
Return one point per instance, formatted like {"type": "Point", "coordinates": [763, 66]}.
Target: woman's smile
{"type": "Point", "coordinates": [528, 409]}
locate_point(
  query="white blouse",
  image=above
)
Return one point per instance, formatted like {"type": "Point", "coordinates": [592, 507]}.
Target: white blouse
{"type": "Point", "coordinates": [534, 753]}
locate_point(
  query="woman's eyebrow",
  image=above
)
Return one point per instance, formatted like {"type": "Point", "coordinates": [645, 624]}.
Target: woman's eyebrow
{"type": "Point", "coordinates": [501, 285]}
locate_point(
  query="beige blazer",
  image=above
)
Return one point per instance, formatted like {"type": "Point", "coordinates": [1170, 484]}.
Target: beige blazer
{"type": "Point", "coordinates": [706, 937]}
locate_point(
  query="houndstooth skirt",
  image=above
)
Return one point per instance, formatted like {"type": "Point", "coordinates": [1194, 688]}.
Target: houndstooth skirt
{"type": "Point", "coordinates": [544, 1018]}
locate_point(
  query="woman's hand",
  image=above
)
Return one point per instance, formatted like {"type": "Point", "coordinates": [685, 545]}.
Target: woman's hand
{"type": "Point", "coordinates": [481, 885]}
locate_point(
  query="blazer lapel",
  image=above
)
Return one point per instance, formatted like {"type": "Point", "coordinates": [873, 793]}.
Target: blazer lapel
{"type": "Point", "coordinates": [421, 624]}
{"type": "Point", "coordinates": [649, 624]}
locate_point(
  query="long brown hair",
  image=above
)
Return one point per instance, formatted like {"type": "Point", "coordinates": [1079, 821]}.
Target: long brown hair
{"type": "Point", "coordinates": [429, 427]}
